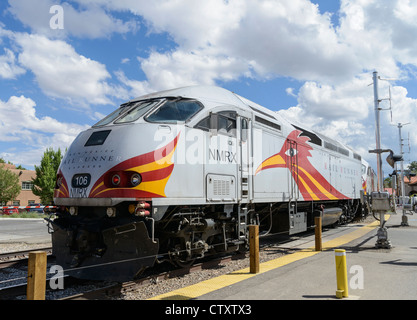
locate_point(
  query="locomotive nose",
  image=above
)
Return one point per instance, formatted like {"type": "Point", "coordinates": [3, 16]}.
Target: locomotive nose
{"type": "Point", "coordinates": [143, 176]}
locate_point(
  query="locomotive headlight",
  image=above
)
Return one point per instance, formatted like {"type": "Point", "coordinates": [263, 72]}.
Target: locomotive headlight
{"type": "Point", "coordinates": [131, 208]}
{"type": "Point", "coordinates": [59, 179]}
{"type": "Point", "coordinates": [136, 179]}
{"type": "Point", "coordinates": [111, 212]}
{"type": "Point", "coordinates": [115, 180]}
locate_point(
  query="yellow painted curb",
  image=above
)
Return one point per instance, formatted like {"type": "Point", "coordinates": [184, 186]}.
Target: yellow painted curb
{"type": "Point", "coordinates": [207, 286]}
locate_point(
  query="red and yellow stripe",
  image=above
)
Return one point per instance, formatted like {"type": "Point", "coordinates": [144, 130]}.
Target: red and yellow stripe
{"type": "Point", "coordinates": [155, 168]}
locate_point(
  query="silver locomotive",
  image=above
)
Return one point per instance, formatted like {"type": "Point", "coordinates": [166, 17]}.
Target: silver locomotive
{"type": "Point", "coordinates": [180, 174]}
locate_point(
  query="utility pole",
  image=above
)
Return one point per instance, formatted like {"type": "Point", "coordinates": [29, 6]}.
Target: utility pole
{"type": "Point", "coordinates": [404, 221]}
{"type": "Point", "coordinates": [378, 134]}
{"type": "Point", "coordinates": [380, 199]}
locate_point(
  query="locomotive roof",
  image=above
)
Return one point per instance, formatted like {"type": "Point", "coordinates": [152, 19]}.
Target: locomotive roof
{"type": "Point", "coordinates": [218, 95]}
{"type": "Point", "coordinates": [208, 93]}
{"type": "Point", "coordinates": [212, 93]}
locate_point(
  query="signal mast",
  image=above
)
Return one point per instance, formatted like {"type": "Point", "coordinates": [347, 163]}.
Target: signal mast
{"type": "Point", "coordinates": [380, 199]}
{"type": "Point", "coordinates": [404, 221]}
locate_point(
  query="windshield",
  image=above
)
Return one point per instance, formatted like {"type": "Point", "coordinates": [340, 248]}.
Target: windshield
{"type": "Point", "coordinates": [138, 111]}
{"type": "Point", "coordinates": [116, 113]}
{"type": "Point", "coordinates": [128, 112]}
{"type": "Point", "coordinates": [173, 111]}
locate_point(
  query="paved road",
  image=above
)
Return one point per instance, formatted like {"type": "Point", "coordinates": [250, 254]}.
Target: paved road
{"type": "Point", "coordinates": [23, 230]}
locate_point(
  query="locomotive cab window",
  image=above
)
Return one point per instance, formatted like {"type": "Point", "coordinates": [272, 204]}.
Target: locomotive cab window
{"type": "Point", "coordinates": [223, 122]}
{"type": "Point", "coordinates": [112, 116]}
{"type": "Point", "coordinates": [204, 124]}
{"type": "Point", "coordinates": [97, 138]}
{"type": "Point", "coordinates": [226, 125]}
{"type": "Point", "coordinates": [138, 111]}
{"type": "Point", "coordinates": [173, 111]}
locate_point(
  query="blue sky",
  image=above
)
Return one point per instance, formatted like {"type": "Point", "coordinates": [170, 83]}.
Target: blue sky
{"type": "Point", "coordinates": [311, 61]}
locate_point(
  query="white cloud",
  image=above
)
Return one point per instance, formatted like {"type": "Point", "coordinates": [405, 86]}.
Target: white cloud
{"type": "Point", "coordinates": [261, 39]}
{"type": "Point", "coordinates": [89, 21]}
{"type": "Point", "coordinates": [404, 108]}
{"type": "Point", "coordinates": [349, 100]}
{"type": "Point", "coordinates": [292, 39]}
{"type": "Point", "coordinates": [20, 124]}
{"type": "Point", "coordinates": [8, 67]}
{"type": "Point", "coordinates": [180, 68]}
{"type": "Point", "coordinates": [135, 88]}
{"type": "Point", "coordinates": [217, 40]}
{"type": "Point", "coordinates": [290, 92]}
{"type": "Point", "coordinates": [19, 113]}
{"type": "Point", "coordinates": [63, 73]}
{"type": "Point", "coordinates": [192, 24]}
{"type": "Point", "coordinates": [227, 40]}
{"type": "Point", "coordinates": [267, 38]}
{"type": "Point", "coordinates": [381, 33]}
{"type": "Point", "coordinates": [322, 106]}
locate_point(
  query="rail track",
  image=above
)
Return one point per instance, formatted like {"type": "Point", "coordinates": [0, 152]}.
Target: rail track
{"type": "Point", "coordinates": [120, 288]}
{"type": "Point", "coordinates": [15, 264]}
{"type": "Point", "coordinates": [18, 257]}
{"type": "Point", "coordinates": [99, 290]}
{"type": "Point", "coordinates": [106, 292]}
{"type": "Point", "coordinates": [155, 275]}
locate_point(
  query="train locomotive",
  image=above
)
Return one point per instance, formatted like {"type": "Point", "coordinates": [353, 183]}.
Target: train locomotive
{"type": "Point", "coordinates": [178, 175]}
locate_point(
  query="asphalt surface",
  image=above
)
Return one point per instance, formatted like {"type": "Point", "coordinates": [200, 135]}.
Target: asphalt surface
{"type": "Point", "coordinates": [14, 230]}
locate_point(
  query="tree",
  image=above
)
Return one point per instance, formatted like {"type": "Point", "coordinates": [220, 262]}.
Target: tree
{"type": "Point", "coordinates": [387, 182]}
{"type": "Point", "coordinates": [413, 167]}
{"type": "Point", "coordinates": [9, 185]}
{"type": "Point", "coordinates": [44, 183]}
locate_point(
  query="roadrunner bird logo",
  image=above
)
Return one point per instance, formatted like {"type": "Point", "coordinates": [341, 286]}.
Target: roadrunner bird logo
{"type": "Point", "coordinates": [294, 156]}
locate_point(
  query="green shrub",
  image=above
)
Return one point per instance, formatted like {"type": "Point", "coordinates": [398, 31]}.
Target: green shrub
{"type": "Point", "coordinates": [25, 215]}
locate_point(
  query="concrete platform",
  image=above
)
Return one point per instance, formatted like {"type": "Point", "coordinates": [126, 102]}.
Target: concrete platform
{"type": "Point", "coordinates": [373, 274]}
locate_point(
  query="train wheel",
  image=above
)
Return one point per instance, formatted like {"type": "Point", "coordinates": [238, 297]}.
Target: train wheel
{"type": "Point", "coordinates": [180, 256]}
{"type": "Point", "coordinates": [181, 260]}
{"type": "Point", "coordinates": [243, 247]}
{"type": "Point", "coordinates": [184, 264]}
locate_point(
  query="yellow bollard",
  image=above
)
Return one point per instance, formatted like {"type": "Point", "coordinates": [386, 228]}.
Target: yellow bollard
{"type": "Point", "coordinates": [318, 242]}
{"type": "Point", "coordinates": [36, 284]}
{"type": "Point", "coordinates": [254, 248]}
{"type": "Point", "coordinates": [341, 274]}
